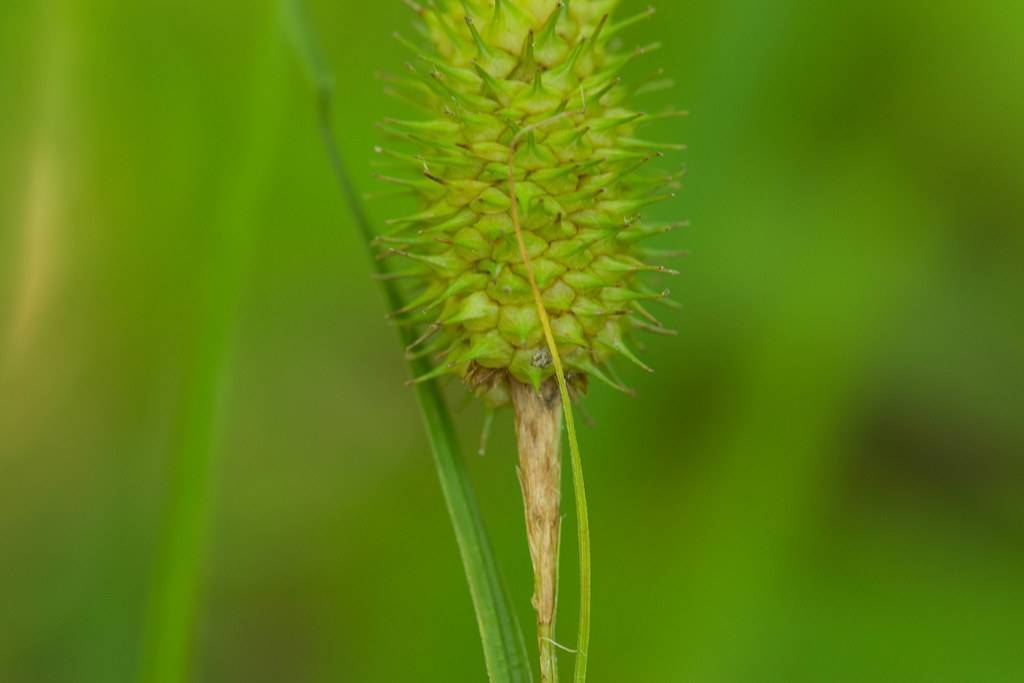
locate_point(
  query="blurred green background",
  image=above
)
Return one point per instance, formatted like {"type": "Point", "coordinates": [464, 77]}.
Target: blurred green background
{"type": "Point", "coordinates": [822, 482]}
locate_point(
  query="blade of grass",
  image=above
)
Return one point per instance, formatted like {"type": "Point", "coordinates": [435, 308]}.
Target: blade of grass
{"type": "Point", "coordinates": [503, 643]}
{"type": "Point", "coordinates": [195, 450]}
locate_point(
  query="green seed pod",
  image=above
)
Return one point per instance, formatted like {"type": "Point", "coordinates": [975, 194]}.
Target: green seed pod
{"type": "Point", "coordinates": [524, 97]}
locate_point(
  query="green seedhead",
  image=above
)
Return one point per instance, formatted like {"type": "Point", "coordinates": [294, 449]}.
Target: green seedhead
{"type": "Point", "coordinates": [524, 97]}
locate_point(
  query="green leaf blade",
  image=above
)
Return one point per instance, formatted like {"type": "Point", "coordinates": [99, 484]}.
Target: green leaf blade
{"type": "Point", "coordinates": [502, 639]}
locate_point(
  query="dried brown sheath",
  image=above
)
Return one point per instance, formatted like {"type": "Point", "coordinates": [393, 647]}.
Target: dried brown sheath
{"type": "Point", "coordinates": [538, 416]}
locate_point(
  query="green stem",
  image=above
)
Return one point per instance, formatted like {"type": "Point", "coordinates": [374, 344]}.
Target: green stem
{"type": "Point", "coordinates": [195, 448]}
{"type": "Point", "coordinates": [583, 533]}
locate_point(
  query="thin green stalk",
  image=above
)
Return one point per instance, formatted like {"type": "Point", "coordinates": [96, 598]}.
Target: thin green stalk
{"type": "Point", "coordinates": [583, 533]}
{"type": "Point", "coordinates": [194, 454]}
{"type": "Point", "coordinates": [503, 643]}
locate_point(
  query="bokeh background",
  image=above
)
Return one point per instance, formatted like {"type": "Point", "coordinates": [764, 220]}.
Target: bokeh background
{"type": "Point", "coordinates": [823, 480]}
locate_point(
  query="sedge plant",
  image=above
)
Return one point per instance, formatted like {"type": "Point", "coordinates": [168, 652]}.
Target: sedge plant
{"type": "Point", "coordinates": [522, 269]}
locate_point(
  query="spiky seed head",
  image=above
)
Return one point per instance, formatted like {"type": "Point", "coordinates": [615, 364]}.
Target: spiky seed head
{"type": "Point", "coordinates": [531, 89]}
